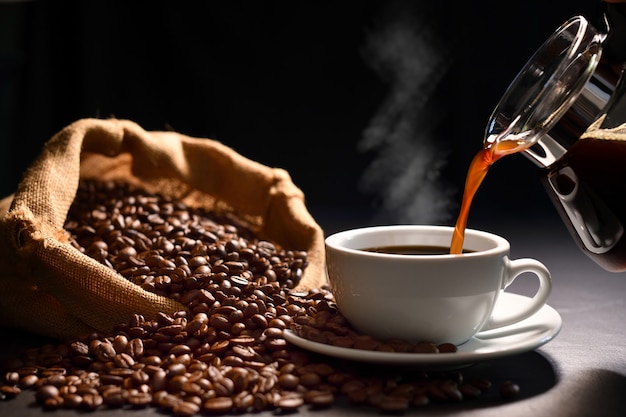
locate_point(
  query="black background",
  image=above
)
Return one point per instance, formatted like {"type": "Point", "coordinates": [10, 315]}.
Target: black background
{"type": "Point", "coordinates": [286, 83]}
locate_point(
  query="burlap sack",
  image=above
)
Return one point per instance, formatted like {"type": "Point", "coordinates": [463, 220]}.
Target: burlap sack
{"type": "Point", "coordinates": [596, 132]}
{"type": "Point", "coordinates": [49, 287]}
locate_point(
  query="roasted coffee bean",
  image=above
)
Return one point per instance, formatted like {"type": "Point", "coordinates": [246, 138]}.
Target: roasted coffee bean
{"type": "Point", "coordinates": [113, 397]}
{"type": "Point", "coordinates": [135, 348]}
{"type": "Point", "coordinates": [28, 381]}
{"type": "Point", "coordinates": [108, 379]}
{"type": "Point", "coordinates": [120, 343]}
{"type": "Point", "coordinates": [447, 348]}
{"type": "Point", "coordinates": [139, 399]}
{"type": "Point", "coordinates": [420, 400]}
{"type": "Point", "coordinates": [288, 402]}
{"type": "Point", "coordinates": [186, 408]}
{"type": "Point", "coordinates": [27, 370]}
{"type": "Point", "coordinates": [451, 390]}
{"type": "Point", "coordinates": [53, 403]}
{"type": "Point", "coordinates": [509, 389]}
{"type": "Point", "coordinates": [9, 391]}
{"type": "Point", "coordinates": [425, 347]}
{"type": "Point", "coordinates": [57, 380]}
{"type": "Point", "coordinates": [218, 405]}
{"type": "Point", "coordinates": [72, 400]}
{"type": "Point", "coordinates": [319, 398]}
{"type": "Point", "coordinates": [393, 404]}
{"type": "Point", "coordinates": [92, 401]}
{"type": "Point", "coordinates": [310, 379]}
{"type": "Point", "coordinates": [482, 384]}
{"type": "Point", "coordinates": [288, 381]}
{"type": "Point", "coordinates": [12, 378]}
{"type": "Point", "coordinates": [469, 391]}
{"type": "Point", "coordinates": [166, 400]}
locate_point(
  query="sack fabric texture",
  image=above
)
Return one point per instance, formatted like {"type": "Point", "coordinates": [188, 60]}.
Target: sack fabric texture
{"type": "Point", "coordinates": [50, 288]}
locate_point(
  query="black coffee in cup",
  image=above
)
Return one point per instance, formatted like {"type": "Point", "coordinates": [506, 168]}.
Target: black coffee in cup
{"type": "Point", "coordinates": [412, 250]}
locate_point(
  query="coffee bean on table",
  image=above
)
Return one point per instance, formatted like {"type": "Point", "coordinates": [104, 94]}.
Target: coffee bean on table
{"type": "Point", "coordinates": [469, 391]}
{"type": "Point", "coordinates": [509, 389]}
{"type": "Point", "coordinates": [319, 398]}
{"type": "Point", "coordinates": [483, 384]}
{"type": "Point", "coordinates": [9, 391]}
{"type": "Point", "coordinates": [218, 405]}
{"type": "Point", "coordinates": [394, 404]}
{"type": "Point", "coordinates": [186, 408]}
{"type": "Point", "coordinates": [289, 402]}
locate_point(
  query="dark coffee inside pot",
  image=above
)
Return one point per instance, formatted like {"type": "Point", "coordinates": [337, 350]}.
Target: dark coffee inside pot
{"type": "Point", "coordinates": [587, 185]}
{"type": "Point", "coordinates": [412, 250]}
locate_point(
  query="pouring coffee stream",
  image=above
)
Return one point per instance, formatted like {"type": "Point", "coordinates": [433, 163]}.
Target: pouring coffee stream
{"type": "Point", "coordinates": [475, 175]}
{"type": "Point", "coordinates": [565, 111]}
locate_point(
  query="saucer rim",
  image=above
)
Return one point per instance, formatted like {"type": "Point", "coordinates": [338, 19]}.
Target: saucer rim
{"type": "Point", "coordinates": [475, 350]}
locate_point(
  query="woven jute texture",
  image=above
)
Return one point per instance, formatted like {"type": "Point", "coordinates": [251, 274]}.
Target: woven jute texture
{"type": "Point", "coordinates": [596, 132]}
{"type": "Point", "coordinates": [49, 287]}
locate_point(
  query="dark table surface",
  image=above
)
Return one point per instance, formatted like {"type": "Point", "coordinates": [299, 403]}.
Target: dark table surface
{"type": "Point", "coordinates": [581, 372]}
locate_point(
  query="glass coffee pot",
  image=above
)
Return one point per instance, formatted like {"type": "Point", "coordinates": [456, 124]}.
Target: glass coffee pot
{"type": "Point", "coordinates": [566, 111]}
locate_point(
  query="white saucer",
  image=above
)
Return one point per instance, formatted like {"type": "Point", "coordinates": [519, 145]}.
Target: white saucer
{"type": "Point", "coordinates": [526, 335]}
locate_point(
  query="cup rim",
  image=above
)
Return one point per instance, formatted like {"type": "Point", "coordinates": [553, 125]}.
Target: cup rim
{"type": "Point", "coordinates": [335, 241]}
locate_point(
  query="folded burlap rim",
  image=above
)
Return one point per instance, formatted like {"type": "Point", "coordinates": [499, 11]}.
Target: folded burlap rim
{"type": "Point", "coordinates": [49, 287]}
{"type": "Point", "coordinates": [596, 132]}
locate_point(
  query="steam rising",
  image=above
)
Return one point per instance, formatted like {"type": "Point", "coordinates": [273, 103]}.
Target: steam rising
{"type": "Point", "coordinates": [405, 133]}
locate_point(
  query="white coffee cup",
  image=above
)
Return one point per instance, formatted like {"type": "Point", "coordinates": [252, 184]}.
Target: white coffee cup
{"type": "Point", "coordinates": [438, 297]}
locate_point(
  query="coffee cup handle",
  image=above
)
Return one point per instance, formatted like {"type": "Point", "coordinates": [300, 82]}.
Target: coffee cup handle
{"type": "Point", "coordinates": [513, 269]}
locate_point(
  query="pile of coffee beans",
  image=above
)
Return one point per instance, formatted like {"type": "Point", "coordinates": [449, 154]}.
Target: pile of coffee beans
{"type": "Point", "coordinates": [225, 352]}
